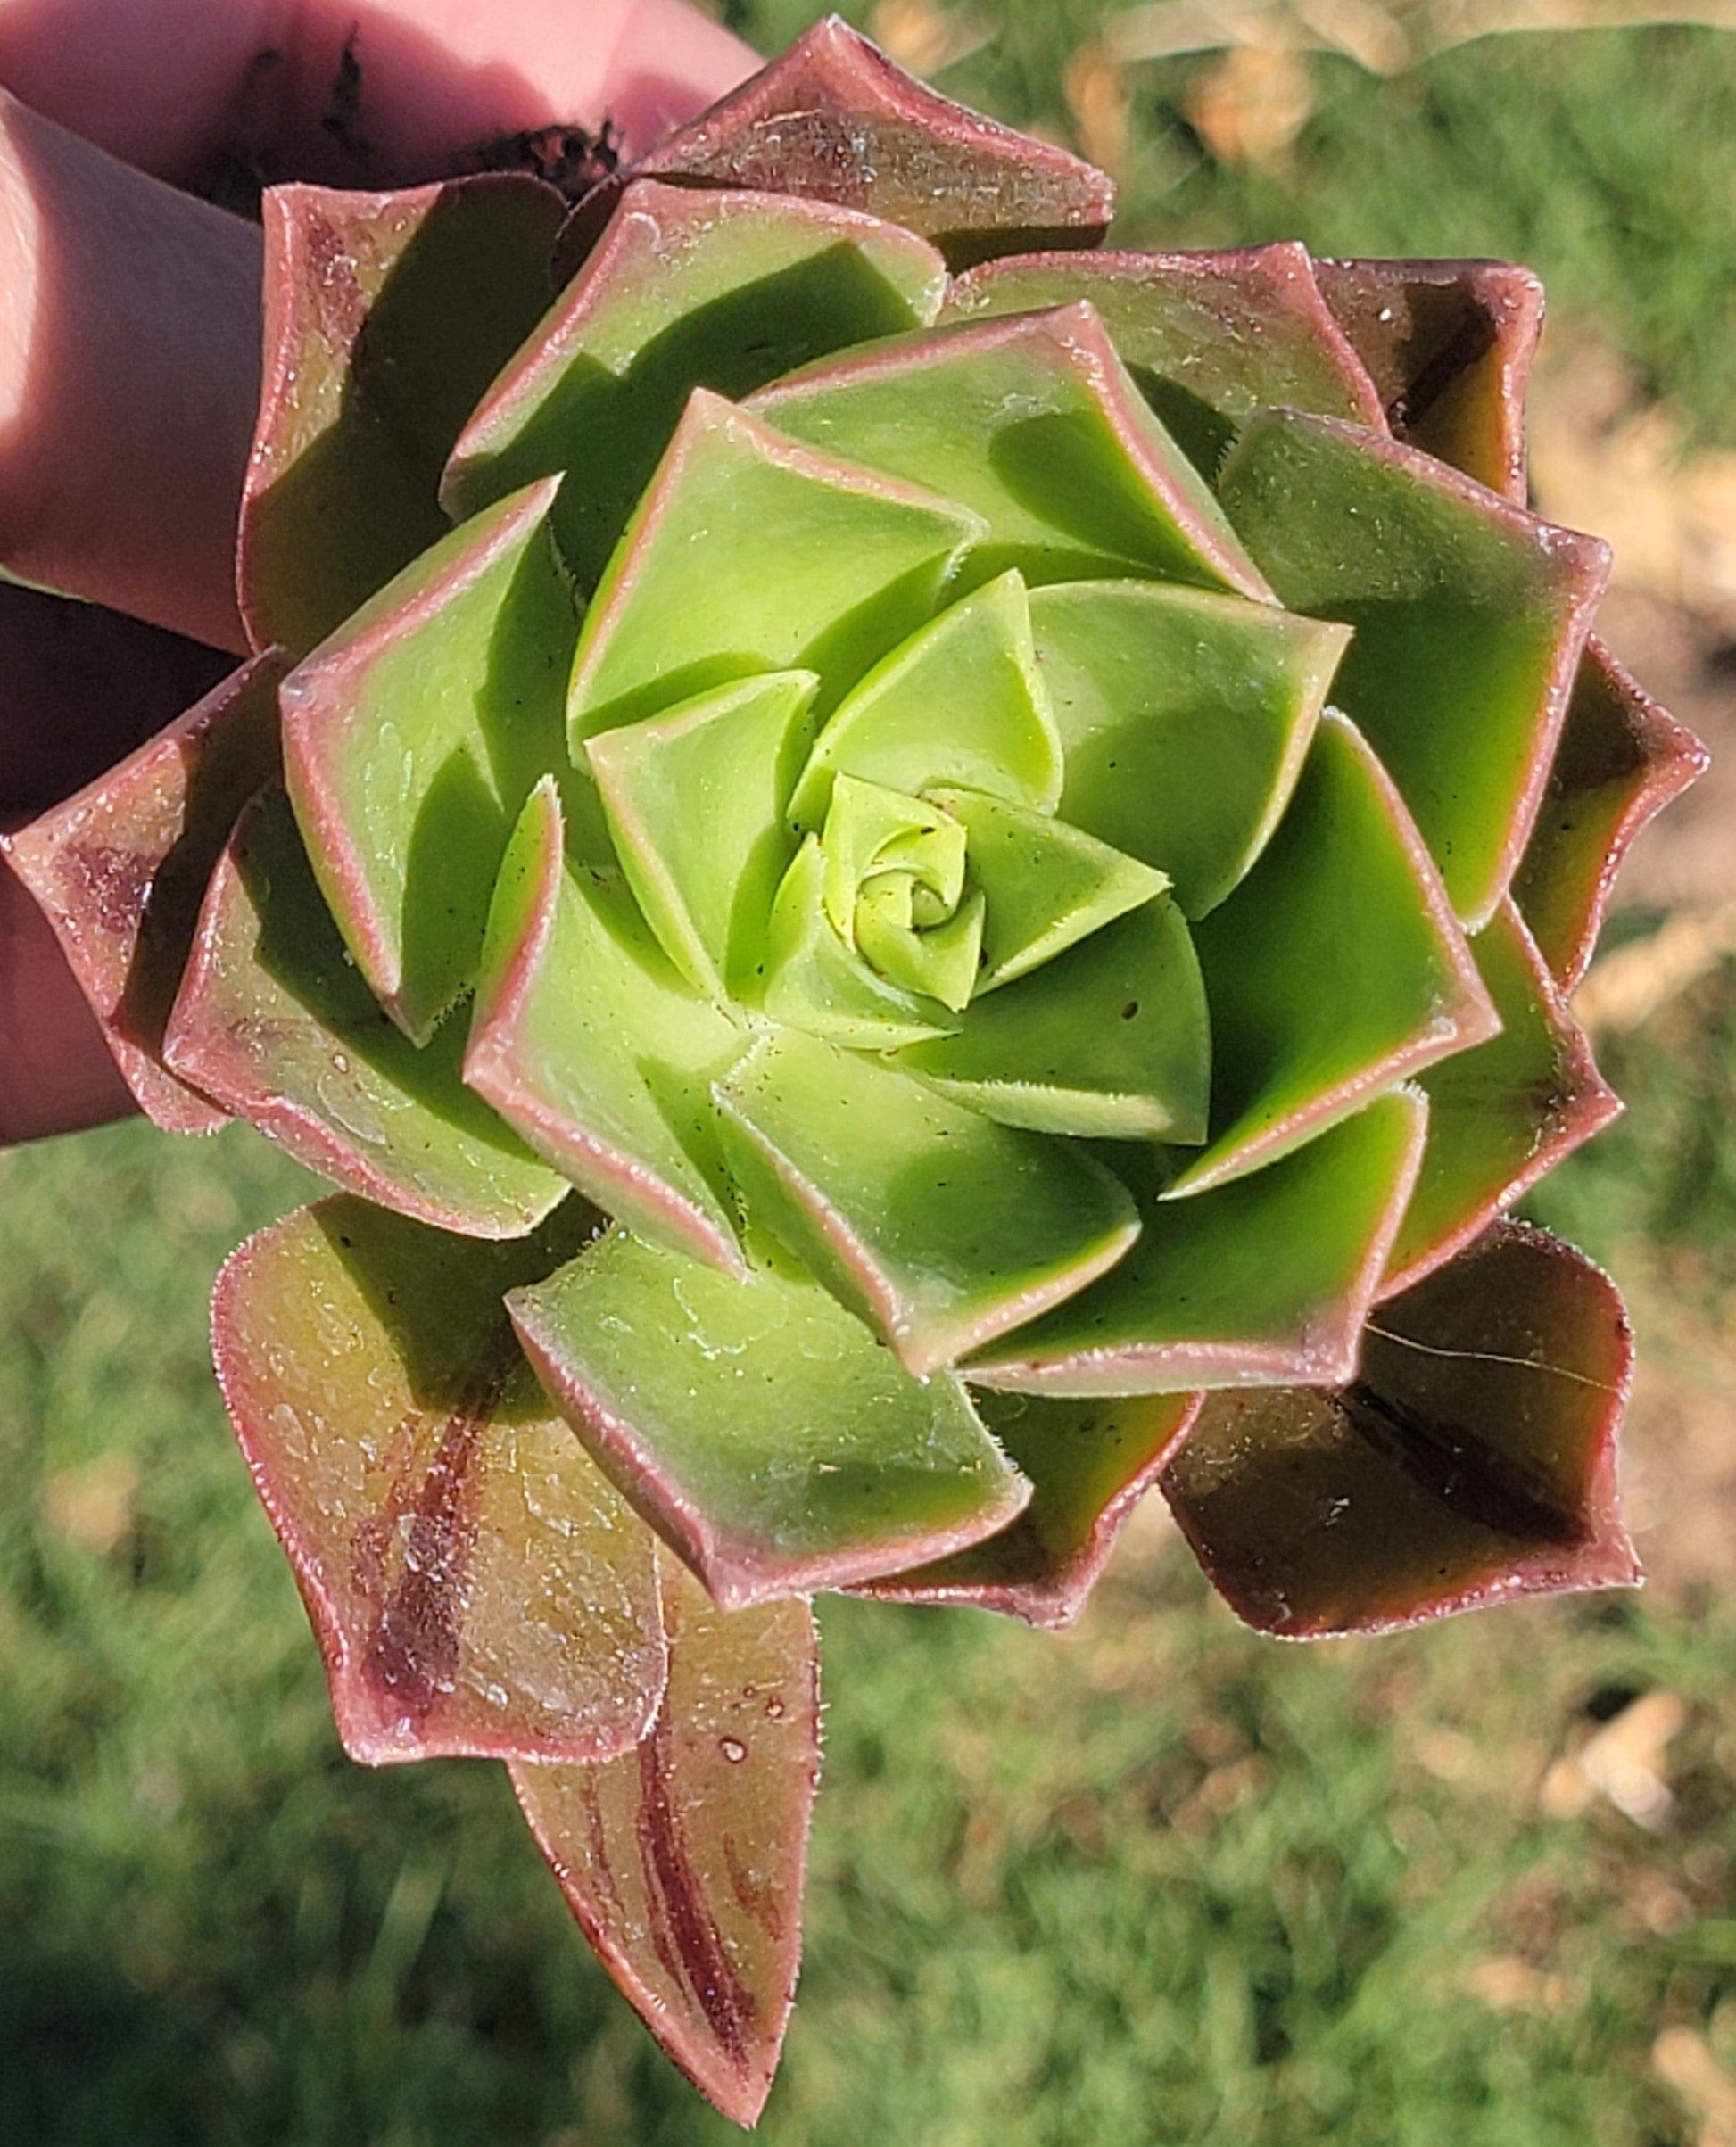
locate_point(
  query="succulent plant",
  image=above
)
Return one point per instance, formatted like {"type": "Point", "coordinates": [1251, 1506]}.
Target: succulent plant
{"type": "Point", "coordinates": [1020, 817]}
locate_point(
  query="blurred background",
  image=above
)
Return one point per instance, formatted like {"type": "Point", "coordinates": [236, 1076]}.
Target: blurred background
{"type": "Point", "coordinates": [1154, 1880]}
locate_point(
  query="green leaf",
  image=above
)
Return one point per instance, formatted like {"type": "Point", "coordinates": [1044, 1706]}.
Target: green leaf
{"type": "Point", "coordinates": [1504, 1113]}
{"type": "Point", "coordinates": [1111, 1040]}
{"type": "Point", "coordinates": [594, 1048]}
{"type": "Point", "coordinates": [749, 554]}
{"type": "Point", "coordinates": [1208, 337]}
{"type": "Point", "coordinates": [759, 1427]}
{"type": "Point", "coordinates": [476, 1585]}
{"type": "Point", "coordinates": [1047, 885]}
{"type": "Point", "coordinates": [1184, 719]}
{"type": "Point", "coordinates": [813, 981]}
{"type": "Point", "coordinates": [689, 288]}
{"type": "Point", "coordinates": [941, 961]}
{"type": "Point", "coordinates": [1334, 970]}
{"type": "Point", "coordinates": [386, 316]}
{"type": "Point", "coordinates": [684, 1861]}
{"type": "Point", "coordinates": [1089, 1462]}
{"type": "Point", "coordinates": [1469, 617]}
{"type": "Point", "coordinates": [870, 828]}
{"type": "Point", "coordinates": [1033, 423]}
{"type": "Point", "coordinates": [1471, 1461]}
{"type": "Point", "coordinates": [941, 1226]}
{"type": "Point", "coordinates": [696, 801]}
{"type": "Point", "coordinates": [977, 662]}
{"type": "Point", "coordinates": [412, 739]}
{"type": "Point", "coordinates": [1264, 1280]}
{"type": "Point", "coordinates": [275, 1022]}
{"type": "Point", "coordinates": [120, 869]}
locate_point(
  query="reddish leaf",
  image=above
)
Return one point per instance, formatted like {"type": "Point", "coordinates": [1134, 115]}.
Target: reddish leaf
{"type": "Point", "coordinates": [1449, 346]}
{"type": "Point", "coordinates": [476, 1585]}
{"type": "Point", "coordinates": [1621, 760]}
{"type": "Point", "coordinates": [1089, 1463]}
{"type": "Point", "coordinates": [119, 872]}
{"type": "Point", "coordinates": [835, 119]}
{"type": "Point", "coordinates": [386, 316]}
{"type": "Point", "coordinates": [684, 1861]}
{"type": "Point", "coordinates": [1472, 1460]}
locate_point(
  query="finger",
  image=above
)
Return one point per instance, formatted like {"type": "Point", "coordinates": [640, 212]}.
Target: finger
{"type": "Point", "coordinates": [129, 335]}
{"type": "Point", "coordinates": [359, 92]}
{"type": "Point", "coordinates": [55, 1071]}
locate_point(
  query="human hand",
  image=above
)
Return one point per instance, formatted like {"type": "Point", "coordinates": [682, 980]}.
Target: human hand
{"type": "Point", "coordinates": [129, 344]}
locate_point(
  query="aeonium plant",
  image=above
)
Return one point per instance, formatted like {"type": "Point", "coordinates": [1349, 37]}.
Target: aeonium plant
{"type": "Point", "coordinates": [914, 878]}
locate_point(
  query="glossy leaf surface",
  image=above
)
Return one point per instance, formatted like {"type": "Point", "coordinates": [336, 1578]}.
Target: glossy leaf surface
{"type": "Point", "coordinates": [1469, 617]}
{"type": "Point", "coordinates": [762, 1430]}
{"type": "Point", "coordinates": [937, 1225]}
{"type": "Point", "coordinates": [1471, 1460]}
{"type": "Point", "coordinates": [688, 289]}
{"type": "Point", "coordinates": [1033, 423]}
{"type": "Point", "coordinates": [684, 1861]}
{"type": "Point", "coordinates": [273, 1020]}
{"type": "Point", "coordinates": [749, 553]}
{"type": "Point", "coordinates": [601, 1056]}
{"type": "Point", "coordinates": [1266, 1279]}
{"type": "Point", "coordinates": [386, 316]}
{"type": "Point", "coordinates": [1334, 970]}
{"type": "Point", "coordinates": [477, 1586]}
{"type": "Point", "coordinates": [120, 870]}
{"type": "Point", "coordinates": [412, 738]}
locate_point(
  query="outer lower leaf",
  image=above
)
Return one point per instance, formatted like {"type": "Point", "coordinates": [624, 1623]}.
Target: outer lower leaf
{"type": "Point", "coordinates": [119, 872]}
{"type": "Point", "coordinates": [1110, 1041]}
{"type": "Point", "coordinates": [696, 801]}
{"type": "Point", "coordinates": [412, 738]}
{"type": "Point", "coordinates": [1184, 719]}
{"type": "Point", "coordinates": [1334, 970]}
{"type": "Point", "coordinates": [1089, 1463]}
{"type": "Point", "coordinates": [1449, 346]}
{"type": "Point", "coordinates": [386, 314]}
{"type": "Point", "coordinates": [1471, 1461]}
{"type": "Point", "coordinates": [684, 1861]}
{"type": "Point", "coordinates": [1266, 1279]}
{"type": "Point", "coordinates": [977, 661]}
{"type": "Point", "coordinates": [1209, 337]}
{"type": "Point", "coordinates": [688, 289]}
{"type": "Point", "coordinates": [273, 1020]}
{"type": "Point", "coordinates": [834, 119]}
{"type": "Point", "coordinates": [1034, 424]}
{"type": "Point", "coordinates": [763, 1430]}
{"type": "Point", "coordinates": [749, 553]}
{"type": "Point", "coordinates": [1621, 760]}
{"type": "Point", "coordinates": [1502, 1114]}
{"type": "Point", "coordinates": [1469, 618]}
{"type": "Point", "coordinates": [943, 1227]}
{"type": "Point", "coordinates": [593, 1048]}
{"type": "Point", "coordinates": [1048, 884]}
{"type": "Point", "coordinates": [477, 1586]}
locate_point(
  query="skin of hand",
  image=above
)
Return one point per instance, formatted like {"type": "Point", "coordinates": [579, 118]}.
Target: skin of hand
{"type": "Point", "coordinates": [129, 324]}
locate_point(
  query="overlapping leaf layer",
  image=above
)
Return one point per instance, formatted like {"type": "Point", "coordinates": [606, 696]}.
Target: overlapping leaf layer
{"type": "Point", "coordinates": [1023, 833]}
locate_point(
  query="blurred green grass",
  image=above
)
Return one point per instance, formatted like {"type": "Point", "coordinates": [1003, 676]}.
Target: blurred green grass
{"type": "Point", "coordinates": [1154, 1881]}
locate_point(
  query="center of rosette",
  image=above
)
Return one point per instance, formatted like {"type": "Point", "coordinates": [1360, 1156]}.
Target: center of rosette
{"type": "Point", "coordinates": [894, 887]}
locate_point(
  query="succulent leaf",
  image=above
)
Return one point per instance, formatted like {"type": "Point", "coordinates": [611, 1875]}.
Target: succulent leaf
{"type": "Point", "coordinates": [1469, 619]}
{"type": "Point", "coordinates": [761, 1429]}
{"type": "Point", "coordinates": [589, 1044]}
{"type": "Point", "coordinates": [386, 316]}
{"type": "Point", "coordinates": [1033, 423]}
{"type": "Point", "coordinates": [684, 1861]}
{"type": "Point", "coordinates": [273, 1022]}
{"type": "Point", "coordinates": [1266, 1279]}
{"type": "Point", "coordinates": [120, 870]}
{"type": "Point", "coordinates": [689, 289]}
{"type": "Point", "coordinates": [941, 1226]}
{"type": "Point", "coordinates": [1471, 1460]}
{"type": "Point", "coordinates": [476, 1584]}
